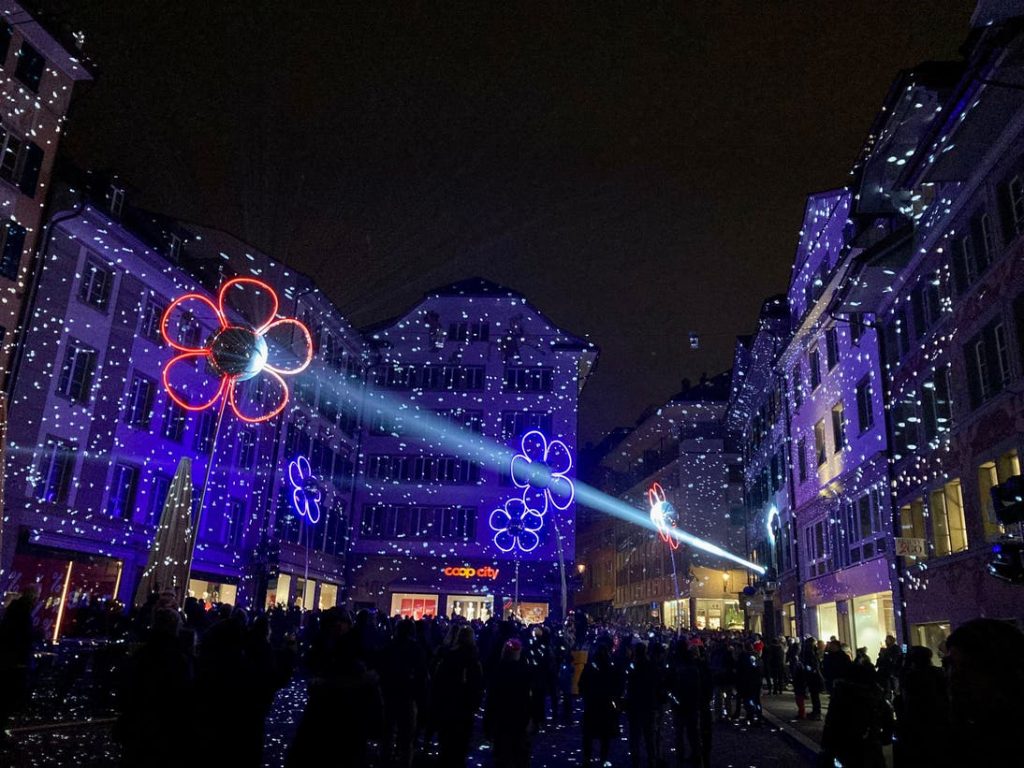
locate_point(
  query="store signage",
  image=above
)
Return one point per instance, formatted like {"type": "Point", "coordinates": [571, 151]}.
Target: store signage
{"type": "Point", "coordinates": [471, 573]}
{"type": "Point", "coordinates": [907, 547]}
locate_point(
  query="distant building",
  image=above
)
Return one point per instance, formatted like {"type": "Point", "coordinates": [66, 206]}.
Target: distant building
{"type": "Point", "coordinates": [685, 446]}
{"type": "Point", "coordinates": [39, 75]}
{"type": "Point", "coordinates": [759, 415]}
{"type": "Point", "coordinates": [478, 357]}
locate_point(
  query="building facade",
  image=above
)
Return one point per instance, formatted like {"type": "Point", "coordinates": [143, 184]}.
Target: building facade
{"type": "Point", "coordinates": [758, 413]}
{"type": "Point", "coordinates": [473, 364]}
{"type": "Point", "coordinates": [685, 447]}
{"type": "Point", "coordinates": [94, 438]}
{"type": "Point", "coordinates": [38, 75]}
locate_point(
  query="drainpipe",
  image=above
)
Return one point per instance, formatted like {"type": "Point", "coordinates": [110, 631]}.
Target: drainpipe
{"type": "Point", "coordinates": [792, 514]}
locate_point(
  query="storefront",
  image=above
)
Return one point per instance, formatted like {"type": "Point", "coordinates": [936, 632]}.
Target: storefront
{"type": "Point", "coordinates": [471, 607]}
{"type": "Point", "coordinates": [711, 613]}
{"type": "Point", "coordinates": [861, 622]}
{"type": "Point", "coordinates": [210, 592]}
{"type": "Point", "coordinates": [288, 590]}
{"type": "Point", "coordinates": [932, 635]}
{"type": "Point", "coordinates": [676, 613]}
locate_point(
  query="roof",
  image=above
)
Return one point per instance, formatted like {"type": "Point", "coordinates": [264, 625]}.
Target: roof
{"type": "Point", "coordinates": [474, 286]}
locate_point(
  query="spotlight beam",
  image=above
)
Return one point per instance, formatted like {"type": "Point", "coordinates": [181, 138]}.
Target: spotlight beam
{"type": "Point", "coordinates": [420, 424]}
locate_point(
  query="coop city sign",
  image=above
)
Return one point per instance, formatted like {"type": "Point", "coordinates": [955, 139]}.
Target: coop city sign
{"type": "Point", "coordinates": [471, 573]}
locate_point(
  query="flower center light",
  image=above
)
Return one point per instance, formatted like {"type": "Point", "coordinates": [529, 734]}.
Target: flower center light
{"type": "Point", "coordinates": [238, 352]}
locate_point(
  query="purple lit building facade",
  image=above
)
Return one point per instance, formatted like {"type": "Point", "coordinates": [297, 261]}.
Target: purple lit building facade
{"type": "Point", "coordinates": [947, 286]}
{"type": "Point", "coordinates": [838, 443]}
{"type": "Point", "coordinates": [94, 439]}
{"type": "Point", "coordinates": [38, 76]}
{"type": "Point", "coordinates": [758, 414]}
{"type": "Point", "coordinates": [473, 357]}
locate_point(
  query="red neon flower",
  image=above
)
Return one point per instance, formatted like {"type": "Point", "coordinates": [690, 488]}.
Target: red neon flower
{"type": "Point", "coordinates": [236, 353]}
{"type": "Point", "coordinates": [663, 514]}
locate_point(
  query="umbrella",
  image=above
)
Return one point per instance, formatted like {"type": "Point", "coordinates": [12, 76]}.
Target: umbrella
{"type": "Point", "coordinates": [172, 545]}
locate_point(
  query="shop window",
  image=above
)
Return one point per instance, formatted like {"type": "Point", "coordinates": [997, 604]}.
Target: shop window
{"type": "Point", "coordinates": [328, 596]}
{"type": "Point", "coordinates": [992, 473]}
{"type": "Point", "coordinates": [949, 532]}
{"type": "Point", "coordinates": [932, 635]}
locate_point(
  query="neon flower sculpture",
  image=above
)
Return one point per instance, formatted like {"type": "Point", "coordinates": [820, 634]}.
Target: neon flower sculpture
{"type": "Point", "coordinates": [516, 526]}
{"type": "Point", "coordinates": [236, 352]}
{"type": "Point", "coordinates": [663, 515]}
{"type": "Point", "coordinates": [305, 490]}
{"type": "Point", "coordinates": [541, 470]}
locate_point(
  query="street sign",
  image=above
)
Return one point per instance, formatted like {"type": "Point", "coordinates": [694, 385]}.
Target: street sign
{"type": "Point", "coordinates": [906, 547]}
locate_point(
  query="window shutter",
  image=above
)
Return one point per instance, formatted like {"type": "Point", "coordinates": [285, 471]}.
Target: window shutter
{"type": "Point", "coordinates": [33, 161]}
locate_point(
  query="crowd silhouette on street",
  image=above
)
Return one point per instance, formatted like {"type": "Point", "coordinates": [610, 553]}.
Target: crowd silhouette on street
{"type": "Point", "coordinates": [397, 692]}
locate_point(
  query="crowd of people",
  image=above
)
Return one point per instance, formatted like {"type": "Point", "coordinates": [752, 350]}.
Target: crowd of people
{"type": "Point", "coordinates": [396, 692]}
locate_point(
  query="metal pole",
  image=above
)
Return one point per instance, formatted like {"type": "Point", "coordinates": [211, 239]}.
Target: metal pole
{"type": "Point", "coordinates": [202, 498]}
{"type": "Point", "coordinates": [561, 566]}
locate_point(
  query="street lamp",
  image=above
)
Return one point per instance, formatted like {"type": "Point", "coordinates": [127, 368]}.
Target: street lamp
{"type": "Point", "coordinates": [581, 568]}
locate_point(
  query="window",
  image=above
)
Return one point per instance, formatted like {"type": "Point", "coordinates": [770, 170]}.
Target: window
{"type": "Point", "coordinates": [517, 423]}
{"type": "Point", "coordinates": [992, 473]}
{"type": "Point", "coordinates": [76, 375]}
{"type": "Point", "coordinates": [13, 236]}
{"type": "Point", "coordinates": [936, 408]}
{"type": "Point", "coordinates": [856, 323]}
{"type": "Point", "coordinates": [905, 430]}
{"type": "Point", "coordinates": [54, 471]}
{"type": "Point", "coordinates": [95, 286]}
{"type": "Point", "coordinates": [1015, 192]}
{"type": "Point", "coordinates": [831, 348]}
{"type": "Point", "coordinates": [801, 458]}
{"type": "Point", "coordinates": [30, 67]}
{"type": "Point", "coordinates": [949, 532]}
{"type": "Point", "coordinates": [157, 497]}
{"type": "Point", "coordinates": [174, 422]}
{"type": "Point", "coordinates": [236, 523]}
{"type": "Point", "coordinates": [814, 365]}
{"type": "Point", "coordinates": [865, 412]}
{"type": "Point", "coordinates": [912, 525]}
{"type": "Point", "coordinates": [817, 549]}
{"type": "Point", "coordinates": [421, 522]}
{"type": "Point", "coordinates": [1002, 354]}
{"type": "Point", "coordinates": [968, 264]}
{"type": "Point", "coordinates": [463, 331]}
{"type": "Point", "coordinates": [246, 448]}
{"type": "Point", "coordinates": [988, 240]}
{"type": "Point", "coordinates": [12, 157]}
{"type": "Point", "coordinates": [902, 333]}
{"type": "Point", "coordinates": [988, 363]}
{"type": "Point", "coordinates": [140, 402]}
{"type": "Point", "coordinates": [432, 377]}
{"type": "Point", "coordinates": [838, 427]}
{"type": "Point", "coordinates": [116, 199]}
{"type": "Point", "coordinates": [152, 313]}
{"type": "Point", "coordinates": [402, 468]}
{"type": "Point", "coordinates": [819, 442]}
{"type": "Point", "coordinates": [521, 379]}
{"type": "Point", "coordinates": [123, 486]}
{"type": "Point", "coordinates": [202, 442]}
{"type": "Point", "coordinates": [6, 35]}
{"type": "Point", "coordinates": [866, 527]}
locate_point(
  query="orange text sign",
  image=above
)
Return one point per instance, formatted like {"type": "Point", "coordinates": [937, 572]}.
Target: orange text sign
{"type": "Point", "coordinates": [471, 573]}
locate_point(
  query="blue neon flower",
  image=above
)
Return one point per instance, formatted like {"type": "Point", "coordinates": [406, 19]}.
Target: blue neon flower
{"type": "Point", "coordinates": [541, 469]}
{"type": "Point", "coordinates": [516, 526]}
{"type": "Point", "coordinates": [305, 489]}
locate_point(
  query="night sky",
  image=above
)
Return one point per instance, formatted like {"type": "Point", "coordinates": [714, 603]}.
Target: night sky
{"type": "Point", "coordinates": [636, 174]}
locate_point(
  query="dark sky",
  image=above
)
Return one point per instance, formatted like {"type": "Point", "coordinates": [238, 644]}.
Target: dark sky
{"type": "Point", "coordinates": [638, 174]}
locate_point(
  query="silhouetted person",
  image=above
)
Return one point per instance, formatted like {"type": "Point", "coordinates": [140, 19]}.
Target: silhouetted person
{"type": "Point", "coordinates": [457, 690]}
{"type": "Point", "coordinates": [985, 659]}
{"type": "Point", "coordinates": [344, 709]}
{"type": "Point", "coordinates": [859, 721]}
{"type": "Point", "coordinates": [640, 703]}
{"type": "Point", "coordinates": [599, 688]}
{"type": "Point", "coordinates": [922, 713]}
{"type": "Point", "coordinates": [403, 681]}
{"type": "Point", "coordinates": [685, 699]}
{"type": "Point", "coordinates": [749, 679]}
{"type": "Point", "coordinates": [507, 715]}
{"type": "Point", "coordinates": [812, 673]}
{"type": "Point", "coordinates": [835, 664]}
{"type": "Point", "coordinates": [16, 641]}
{"type": "Point", "coordinates": [157, 691]}
{"type": "Point", "coordinates": [774, 657]}
{"type": "Point", "coordinates": [889, 666]}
